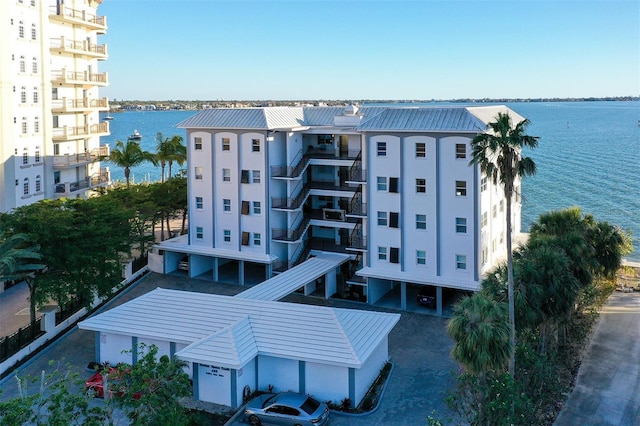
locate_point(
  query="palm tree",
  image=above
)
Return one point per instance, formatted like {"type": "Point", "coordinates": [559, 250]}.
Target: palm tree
{"type": "Point", "coordinates": [499, 155]}
{"type": "Point", "coordinates": [480, 331]}
{"type": "Point", "coordinates": [129, 155]}
{"type": "Point", "coordinates": [178, 154]}
{"type": "Point", "coordinates": [163, 152]}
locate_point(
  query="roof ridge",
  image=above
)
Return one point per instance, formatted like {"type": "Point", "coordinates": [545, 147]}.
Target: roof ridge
{"type": "Point", "coordinates": [340, 328]}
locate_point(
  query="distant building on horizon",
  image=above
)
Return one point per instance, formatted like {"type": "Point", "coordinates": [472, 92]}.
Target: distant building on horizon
{"type": "Point", "coordinates": [49, 100]}
{"type": "Point", "coordinates": [391, 187]}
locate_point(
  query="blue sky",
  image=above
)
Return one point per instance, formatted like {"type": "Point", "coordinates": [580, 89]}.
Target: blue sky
{"type": "Point", "coordinates": [367, 49]}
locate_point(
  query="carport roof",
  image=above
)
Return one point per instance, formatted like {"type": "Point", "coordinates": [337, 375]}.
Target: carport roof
{"type": "Point", "coordinates": [228, 331]}
{"type": "Point", "coordinates": [289, 281]}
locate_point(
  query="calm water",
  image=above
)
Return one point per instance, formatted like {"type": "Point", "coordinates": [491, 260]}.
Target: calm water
{"type": "Point", "coordinates": [588, 156]}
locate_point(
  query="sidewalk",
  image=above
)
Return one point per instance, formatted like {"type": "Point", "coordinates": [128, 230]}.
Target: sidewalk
{"type": "Point", "coordinates": [607, 390]}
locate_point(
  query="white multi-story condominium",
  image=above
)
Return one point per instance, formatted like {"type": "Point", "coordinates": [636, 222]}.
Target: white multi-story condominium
{"type": "Point", "coordinates": [49, 102]}
{"type": "Point", "coordinates": [392, 187]}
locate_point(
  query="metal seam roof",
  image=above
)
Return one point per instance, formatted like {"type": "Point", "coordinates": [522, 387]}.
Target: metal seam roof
{"type": "Point", "coordinates": [314, 333]}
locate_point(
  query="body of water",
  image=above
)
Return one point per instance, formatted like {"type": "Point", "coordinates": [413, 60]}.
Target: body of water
{"type": "Point", "coordinates": [588, 156]}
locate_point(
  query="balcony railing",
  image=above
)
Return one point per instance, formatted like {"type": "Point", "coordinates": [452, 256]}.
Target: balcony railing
{"type": "Point", "coordinates": [294, 203]}
{"type": "Point", "coordinates": [90, 182]}
{"type": "Point", "coordinates": [291, 235]}
{"type": "Point", "coordinates": [70, 133]}
{"type": "Point", "coordinates": [78, 105]}
{"type": "Point", "coordinates": [84, 78]}
{"type": "Point", "coordinates": [356, 240]}
{"type": "Point", "coordinates": [74, 160]}
{"type": "Point", "coordinates": [318, 152]}
{"type": "Point", "coordinates": [79, 47]}
{"type": "Point", "coordinates": [81, 17]}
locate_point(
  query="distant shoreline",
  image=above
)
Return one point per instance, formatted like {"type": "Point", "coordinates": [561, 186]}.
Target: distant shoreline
{"type": "Point", "coordinates": [164, 105]}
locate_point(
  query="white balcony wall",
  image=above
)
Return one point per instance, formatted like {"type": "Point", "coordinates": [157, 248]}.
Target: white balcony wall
{"type": "Point", "coordinates": [201, 188]}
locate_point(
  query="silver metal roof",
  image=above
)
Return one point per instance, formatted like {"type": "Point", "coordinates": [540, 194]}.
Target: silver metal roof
{"type": "Point", "coordinates": [245, 118]}
{"type": "Point", "coordinates": [217, 330]}
{"type": "Point", "coordinates": [439, 119]}
{"type": "Point", "coordinates": [289, 281]}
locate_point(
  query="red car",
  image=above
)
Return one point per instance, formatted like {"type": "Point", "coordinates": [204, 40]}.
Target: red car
{"type": "Point", "coordinates": [95, 383]}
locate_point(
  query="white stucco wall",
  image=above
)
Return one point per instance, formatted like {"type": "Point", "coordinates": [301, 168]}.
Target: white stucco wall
{"type": "Point", "coordinates": [282, 374]}
{"type": "Point", "coordinates": [164, 348]}
{"type": "Point", "coordinates": [326, 382]}
{"type": "Point", "coordinates": [246, 376]}
{"type": "Point", "coordinates": [200, 188]}
{"type": "Point", "coordinates": [111, 347]}
{"type": "Point", "coordinates": [371, 369]}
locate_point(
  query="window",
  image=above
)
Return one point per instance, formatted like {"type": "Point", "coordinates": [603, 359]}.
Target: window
{"type": "Point", "coordinates": [21, 29]}
{"type": "Point", "coordinates": [197, 143]}
{"type": "Point", "coordinates": [226, 175]}
{"type": "Point", "coordinates": [198, 173]}
{"type": "Point", "coordinates": [255, 145]}
{"type": "Point", "coordinates": [245, 208]}
{"type": "Point", "coordinates": [483, 184]}
{"type": "Point", "coordinates": [227, 235]}
{"type": "Point", "coordinates": [56, 177]}
{"type": "Point", "coordinates": [34, 66]}
{"type": "Point", "coordinates": [33, 32]}
{"type": "Point", "coordinates": [421, 150]}
{"type": "Point", "coordinates": [25, 156]}
{"type": "Point", "coordinates": [226, 205]}
{"type": "Point", "coordinates": [421, 221]}
{"type": "Point", "coordinates": [23, 95]}
{"type": "Point", "coordinates": [257, 239]}
{"type": "Point", "coordinates": [461, 261]}
{"type": "Point", "coordinates": [461, 225]}
{"type": "Point", "coordinates": [382, 149]}
{"type": "Point", "coordinates": [244, 177]}
{"type": "Point", "coordinates": [393, 185]}
{"type": "Point", "coordinates": [199, 203]}
{"type": "Point", "coordinates": [461, 150]}
{"type": "Point", "coordinates": [245, 238]}
{"type": "Point", "coordinates": [24, 125]}
{"type": "Point", "coordinates": [23, 64]}
{"type": "Point", "coordinates": [461, 188]}
{"type": "Point", "coordinates": [485, 255]}
{"type": "Point", "coordinates": [501, 237]}
{"type": "Point", "coordinates": [501, 206]}
{"type": "Point", "coordinates": [226, 144]}
{"type": "Point", "coordinates": [37, 155]}
{"type": "Point", "coordinates": [421, 257]}
{"type": "Point", "coordinates": [25, 186]}
{"type": "Point", "coordinates": [382, 183]}
{"type": "Point", "coordinates": [199, 233]}
{"type": "Point", "coordinates": [256, 176]}
{"type": "Point", "coordinates": [382, 253]}
{"type": "Point", "coordinates": [35, 95]}
{"type": "Point", "coordinates": [257, 208]}
{"type": "Point", "coordinates": [421, 186]}
{"type": "Point", "coordinates": [394, 255]}
{"type": "Point", "coordinates": [393, 220]}
{"type": "Point", "coordinates": [36, 125]}
{"type": "Point", "coordinates": [484, 219]}
{"type": "Point", "coordinates": [495, 211]}
{"type": "Point", "coordinates": [382, 218]}
{"type": "Point", "coordinates": [38, 184]}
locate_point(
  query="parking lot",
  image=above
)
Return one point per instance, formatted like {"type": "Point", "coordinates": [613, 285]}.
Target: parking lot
{"type": "Point", "coordinates": [418, 346]}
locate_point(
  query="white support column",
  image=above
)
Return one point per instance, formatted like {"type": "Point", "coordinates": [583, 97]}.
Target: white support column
{"type": "Point", "coordinates": [330, 283]}
{"type": "Point", "coordinates": [439, 300]}
{"type": "Point", "coordinates": [241, 272]}
{"type": "Point", "coordinates": [403, 296]}
{"type": "Point", "coordinates": [215, 269]}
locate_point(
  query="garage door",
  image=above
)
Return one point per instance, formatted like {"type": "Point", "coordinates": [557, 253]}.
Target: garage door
{"type": "Point", "coordinates": [214, 384]}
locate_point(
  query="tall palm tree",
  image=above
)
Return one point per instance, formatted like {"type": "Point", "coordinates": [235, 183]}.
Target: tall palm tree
{"type": "Point", "coordinates": [498, 152]}
{"type": "Point", "coordinates": [130, 155]}
{"type": "Point", "coordinates": [163, 152]}
{"type": "Point", "coordinates": [178, 152]}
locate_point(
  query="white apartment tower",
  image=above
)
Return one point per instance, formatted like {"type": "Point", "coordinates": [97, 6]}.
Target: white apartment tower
{"type": "Point", "coordinates": [49, 102]}
{"type": "Point", "coordinates": [390, 186]}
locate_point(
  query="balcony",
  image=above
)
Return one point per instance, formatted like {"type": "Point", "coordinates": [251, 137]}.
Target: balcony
{"type": "Point", "coordinates": [78, 17]}
{"type": "Point", "coordinates": [71, 106]}
{"type": "Point", "coordinates": [68, 133]}
{"type": "Point", "coordinates": [79, 48]}
{"type": "Point", "coordinates": [321, 152]}
{"type": "Point", "coordinates": [79, 78]}
{"type": "Point", "coordinates": [70, 161]}
{"type": "Point", "coordinates": [295, 203]}
{"type": "Point", "coordinates": [90, 182]}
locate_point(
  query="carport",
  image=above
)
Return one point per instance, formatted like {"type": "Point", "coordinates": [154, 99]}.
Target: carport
{"type": "Point", "coordinates": [302, 276]}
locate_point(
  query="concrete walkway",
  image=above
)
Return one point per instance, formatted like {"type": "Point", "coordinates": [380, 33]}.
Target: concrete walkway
{"type": "Point", "coordinates": [607, 390]}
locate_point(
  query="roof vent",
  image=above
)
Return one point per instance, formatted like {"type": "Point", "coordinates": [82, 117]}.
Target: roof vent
{"type": "Point", "coordinates": [351, 110]}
